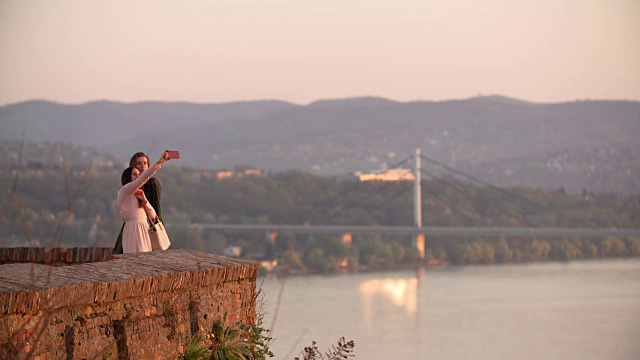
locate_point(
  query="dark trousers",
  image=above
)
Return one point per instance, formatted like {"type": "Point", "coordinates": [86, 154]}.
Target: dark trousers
{"type": "Point", "coordinates": [117, 249]}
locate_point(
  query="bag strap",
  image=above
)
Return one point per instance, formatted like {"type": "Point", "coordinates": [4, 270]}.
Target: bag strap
{"type": "Point", "coordinates": [152, 224]}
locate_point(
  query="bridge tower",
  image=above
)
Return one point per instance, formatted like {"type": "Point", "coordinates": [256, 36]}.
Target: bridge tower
{"type": "Point", "coordinates": [418, 241]}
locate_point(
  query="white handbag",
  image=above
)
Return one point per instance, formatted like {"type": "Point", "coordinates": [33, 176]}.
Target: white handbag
{"type": "Point", "coordinates": [158, 236]}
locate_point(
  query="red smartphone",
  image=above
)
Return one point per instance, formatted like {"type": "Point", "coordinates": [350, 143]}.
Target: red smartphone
{"type": "Point", "coordinates": [173, 154]}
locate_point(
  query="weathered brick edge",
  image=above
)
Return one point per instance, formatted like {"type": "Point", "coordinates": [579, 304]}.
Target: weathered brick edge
{"type": "Point", "coordinates": [137, 306]}
{"type": "Point", "coordinates": [54, 256]}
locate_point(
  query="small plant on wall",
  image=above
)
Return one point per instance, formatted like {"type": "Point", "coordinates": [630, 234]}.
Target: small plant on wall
{"type": "Point", "coordinates": [196, 350]}
{"type": "Point", "coordinates": [235, 341]}
{"type": "Point", "coordinates": [239, 340]}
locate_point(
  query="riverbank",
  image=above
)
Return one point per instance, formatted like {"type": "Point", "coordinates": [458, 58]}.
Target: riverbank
{"type": "Point", "coordinates": [285, 271]}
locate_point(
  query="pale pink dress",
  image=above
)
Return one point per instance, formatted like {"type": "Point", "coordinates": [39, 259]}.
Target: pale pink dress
{"type": "Point", "coordinates": [135, 235]}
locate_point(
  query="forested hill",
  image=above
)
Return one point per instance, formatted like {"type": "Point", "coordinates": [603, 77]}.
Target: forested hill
{"type": "Point", "coordinates": [591, 145]}
{"type": "Point", "coordinates": [53, 205]}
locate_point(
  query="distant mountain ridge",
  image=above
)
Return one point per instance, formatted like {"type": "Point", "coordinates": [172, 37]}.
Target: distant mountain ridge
{"type": "Point", "coordinates": [487, 135]}
{"type": "Point", "coordinates": [103, 123]}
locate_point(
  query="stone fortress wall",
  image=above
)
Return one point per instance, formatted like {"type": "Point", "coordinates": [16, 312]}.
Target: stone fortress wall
{"type": "Point", "coordinates": [87, 303]}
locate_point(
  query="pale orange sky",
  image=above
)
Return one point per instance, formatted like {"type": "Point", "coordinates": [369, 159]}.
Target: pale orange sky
{"type": "Point", "coordinates": [302, 51]}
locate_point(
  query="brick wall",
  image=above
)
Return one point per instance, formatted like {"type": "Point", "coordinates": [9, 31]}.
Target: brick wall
{"type": "Point", "coordinates": [132, 306]}
{"type": "Point", "coordinates": [54, 256]}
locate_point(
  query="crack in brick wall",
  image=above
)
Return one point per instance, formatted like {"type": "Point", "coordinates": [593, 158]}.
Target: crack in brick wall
{"type": "Point", "coordinates": [138, 306]}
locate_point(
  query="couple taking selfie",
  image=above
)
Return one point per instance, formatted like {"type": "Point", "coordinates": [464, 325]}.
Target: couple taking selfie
{"type": "Point", "coordinates": [139, 203]}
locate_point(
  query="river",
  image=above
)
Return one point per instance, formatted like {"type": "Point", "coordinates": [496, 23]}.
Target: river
{"type": "Point", "coordinates": [578, 310]}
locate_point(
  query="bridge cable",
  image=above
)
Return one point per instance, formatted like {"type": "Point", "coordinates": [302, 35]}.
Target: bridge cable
{"type": "Point", "coordinates": [445, 200]}
{"type": "Point", "coordinates": [472, 178]}
{"type": "Point", "coordinates": [496, 188]}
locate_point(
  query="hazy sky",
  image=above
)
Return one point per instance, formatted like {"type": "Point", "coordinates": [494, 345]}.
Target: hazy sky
{"type": "Point", "coordinates": [73, 51]}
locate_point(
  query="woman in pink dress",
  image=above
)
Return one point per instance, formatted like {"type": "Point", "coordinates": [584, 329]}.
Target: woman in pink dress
{"type": "Point", "coordinates": [135, 209]}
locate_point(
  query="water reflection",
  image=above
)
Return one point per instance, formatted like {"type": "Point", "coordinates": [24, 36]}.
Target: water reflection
{"type": "Point", "coordinates": [403, 293]}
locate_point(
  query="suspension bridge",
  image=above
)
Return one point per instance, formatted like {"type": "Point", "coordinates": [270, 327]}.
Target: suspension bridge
{"type": "Point", "coordinates": [417, 231]}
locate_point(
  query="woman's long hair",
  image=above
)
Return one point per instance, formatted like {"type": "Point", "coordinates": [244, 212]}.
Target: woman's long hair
{"type": "Point", "coordinates": [126, 176]}
{"type": "Point", "coordinates": [132, 161]}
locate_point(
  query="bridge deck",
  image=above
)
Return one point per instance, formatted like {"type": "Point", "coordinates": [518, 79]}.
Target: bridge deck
{"type": "Point", "coordinates": [412, 230]}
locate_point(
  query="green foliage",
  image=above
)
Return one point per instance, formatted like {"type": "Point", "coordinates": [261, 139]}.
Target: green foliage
{"type": "Point", "coordinates": [195, 350]}
{"type": "Point", "coordinates": [292, 258]}
{"type": "Point", "coordinates": [344, 350]}
{"type": "Point", "coordinates": [259, 334]}
{"type": "Point", "coordinates": [107, 352]}
{"type": "Point", "coordinates": [633, 246]}
{"type": "Point", "coordinates": [232, 340]}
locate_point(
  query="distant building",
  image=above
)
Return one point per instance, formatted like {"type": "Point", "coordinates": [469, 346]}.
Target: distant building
{"type": "Point", "coordinates": [205, 175]}
{"type": "Point", "coordinates": [221, 174]}
{"type": "Point", "coordinates": [387, 175]}
{"type": "Point", "coordinates": [224, 174]}
{"type": "Point", "coordinates": [209, 175]}
{"type": "Point", "coordinates": [247, 171]}
{"type": "Point", "coordinates": [268, 265]}
{"type": "Point", "coordinates": [233, 251]}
